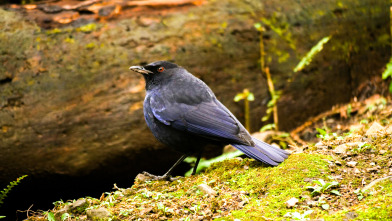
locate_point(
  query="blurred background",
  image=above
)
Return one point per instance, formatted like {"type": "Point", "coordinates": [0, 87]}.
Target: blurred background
{"type": "Point", "coordinates": [71, 113]}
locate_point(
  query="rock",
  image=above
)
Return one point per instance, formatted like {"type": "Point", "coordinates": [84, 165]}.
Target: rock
{"type": "Point", "coordinates": [207, 189]}
{"type": "Point", "coordinates": [142, 178]}
{"type": "Point", "coordinates": [382, 152]}
{"type": "Point", "coordinates": [351, 163]}
{"type": "Point", "coordinates": [60, 212]}
{"type": "Point", "coordinates": [79, 205]}
{"type": "Point", "coordinates": [320, 145]}
{"type": "Point", "coordinates": [356, 170]}
{"type": "Point", "coordinates": [242, 203]}
{"type": "Point", "coordinates": [238, 158]}
{"type": "Point", "coordinates": [351, 215]}
{"type": "Point", "coordinates": [244, 193]}
{"type": "Point", "coordinates": [146, 210]}
{"type": "Point", "coordinates": [373, 169]}
{"type": "Point", "coordinates": [388, 130]}
{"type": "Point", "coordinates": [291, 202]}
{"type": "Point", "coordinates": [97, 214]}
{"type": "Point", "coordinates": [375, 130]}
{"type": "Point", "coordinates": [341, 149]}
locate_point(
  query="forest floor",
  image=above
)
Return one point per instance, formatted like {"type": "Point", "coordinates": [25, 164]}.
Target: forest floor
{"type": "Point", "coordinates": [343, 172]}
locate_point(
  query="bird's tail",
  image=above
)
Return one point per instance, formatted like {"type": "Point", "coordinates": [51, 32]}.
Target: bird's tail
{"type": "Point", "coordinates": [263, 152]}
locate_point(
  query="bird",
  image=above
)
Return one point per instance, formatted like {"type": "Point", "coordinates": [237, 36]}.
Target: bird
{"type": "Point", "coordinates": [183, 112]}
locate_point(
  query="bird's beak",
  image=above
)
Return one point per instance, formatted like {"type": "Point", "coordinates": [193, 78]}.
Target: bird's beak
{"type": "Point", "coordinates": [140, 69]}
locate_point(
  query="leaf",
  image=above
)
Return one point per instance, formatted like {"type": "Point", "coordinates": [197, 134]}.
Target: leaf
{"type": "Point", "coordinates": [65, 216]}
{"type": "Point", "coordinates": [239, 97]}
{"type": "Point", "coordinates": [311, 187]}
{"type": "Point", "coordinates": [250, 97]}
{"type": "Point", "coordinates": [388, 70]}
{"type": "Point", "coordinates": [265, 118]}
{"type": "Point", "coordinates": [309, 56]}
{"type": "Point", "coordinates": [336, 192]}
{"type": "Point", "coordinates": [319, 182]}
{"type": "Point", "coordinates": [390, 88]}
{"type": "Point", "coordinates": [258, 26]}
{"type": "Point", "coordinates": [267, 127]}
{"type": "Point", "coordinates": [321, 131]}
{"type": "Point", "coordinates": [51, 216]}
{"type": "Point", "coordinates": [325, 206]}
{"type": "Point", "coordinates": [2, 217]}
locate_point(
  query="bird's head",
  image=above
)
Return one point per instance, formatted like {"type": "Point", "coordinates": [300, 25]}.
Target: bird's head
{"type": "Point", "coordinates": [155, 68]}
{"type": "Point", "coordinates": [156, 72]}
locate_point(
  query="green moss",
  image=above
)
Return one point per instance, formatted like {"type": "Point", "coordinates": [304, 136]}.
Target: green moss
{"type": "Point", "coordinates": [271, 187]}
{"type": "Point", "coordinates": [372, 207]}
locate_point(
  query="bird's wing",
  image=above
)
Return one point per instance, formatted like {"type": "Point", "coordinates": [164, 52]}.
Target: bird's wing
{"type": "Point", "coordinates": [203, 117]}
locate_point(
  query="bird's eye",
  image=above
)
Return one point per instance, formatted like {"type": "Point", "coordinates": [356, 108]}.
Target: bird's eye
{"type": "Point", "coordinates": [160, 69]}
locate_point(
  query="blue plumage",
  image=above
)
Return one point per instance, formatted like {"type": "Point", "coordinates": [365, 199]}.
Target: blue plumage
{"type": "Point", "coordinates": [182, 112]}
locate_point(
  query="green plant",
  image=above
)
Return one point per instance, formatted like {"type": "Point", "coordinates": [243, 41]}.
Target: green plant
{"type": "Point", "coordinates": [321, 187]}
{"type": "Point", "coordinates": [267, 127]}
{"type": "Point", "coordinates": [164, 209]}
{"type": "Point", "coordinates": [282, 30]}
{"type": "Point", "coordinates": [50, 216]}
{"type": "Point", "coordinates": [272, 107]}
{"type": "Point", "coordinates": [361, 193]}
{"type": "Point", "coordinates": [362, 147]}
{"type": "Point", "coordinates": [247, 96]}
{"type": "Point", "coordinates": [65, 216]}
{"type": "Point", "coordinates": [305, 61]}
{"type": "Point", "coordinates": [321, 202]}
{"type": "Point", "coordinates": [388, 73]}
{"type": "Point", "coordinates": [324, 135]}
{"type": "Point", "coordinates": [5, 191]}
{"type": "Point", "coordinates": [203, 164]}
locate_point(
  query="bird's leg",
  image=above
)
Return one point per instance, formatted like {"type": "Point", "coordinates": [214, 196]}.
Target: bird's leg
{"type": "Point", "coordinates": [167, 176]}
{"type": "Point", "coordinates": [197, 162]}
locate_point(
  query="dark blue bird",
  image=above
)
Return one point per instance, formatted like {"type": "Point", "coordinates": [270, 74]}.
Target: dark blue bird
{"type": "Point", "coordinates": [183, 113]}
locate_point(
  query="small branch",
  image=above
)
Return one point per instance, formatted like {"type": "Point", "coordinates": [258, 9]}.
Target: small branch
{"type": "Point", "coordinates": [271, 89]}
{"type": "Point", "coordinates": [374, 182]}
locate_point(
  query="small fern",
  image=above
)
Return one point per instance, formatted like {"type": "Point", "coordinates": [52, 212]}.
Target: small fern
{"type": "Point", "coordinates": [5, 191]}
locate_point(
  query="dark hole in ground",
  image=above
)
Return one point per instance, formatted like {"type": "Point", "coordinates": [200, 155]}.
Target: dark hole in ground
{"type": "Point", "coordinates": [42, 193]}
{"type": "Point", "coordinates": [6, 80]}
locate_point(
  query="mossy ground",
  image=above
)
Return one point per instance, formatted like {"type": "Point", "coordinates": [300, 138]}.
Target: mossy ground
{"type": "Point", "coordinates": [247, 190]}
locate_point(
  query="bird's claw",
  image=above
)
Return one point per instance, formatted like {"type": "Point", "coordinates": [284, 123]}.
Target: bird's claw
{"type": "Point", "coordinates": [164, 177]}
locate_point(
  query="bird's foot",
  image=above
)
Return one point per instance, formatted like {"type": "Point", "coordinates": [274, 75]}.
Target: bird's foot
{"type": "Point", "coordinates": [164, 177]}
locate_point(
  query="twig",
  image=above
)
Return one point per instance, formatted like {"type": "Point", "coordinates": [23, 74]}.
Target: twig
{"type": "Point", "coordinates": [272, 91]}
{"type": "Point", "coordinates": [335, 110]}
{"type": "Point", "coordinates": [374, 182]}
{"type": "Point", "coordinates": [27, 211]}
